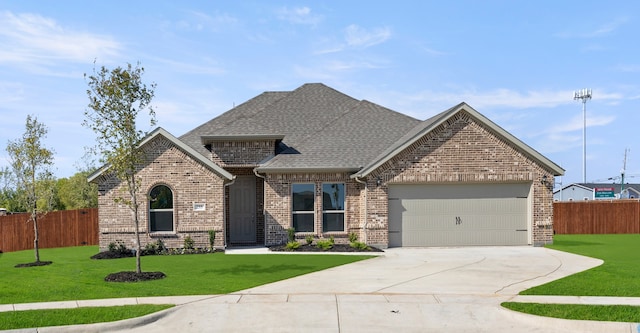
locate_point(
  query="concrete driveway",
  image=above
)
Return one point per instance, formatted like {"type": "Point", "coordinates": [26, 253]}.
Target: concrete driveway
{"type": "Point", "coordinates": [406, 290]}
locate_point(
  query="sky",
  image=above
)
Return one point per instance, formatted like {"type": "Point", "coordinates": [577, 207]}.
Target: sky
{"type": "Point", "coordinates": [516, 62]}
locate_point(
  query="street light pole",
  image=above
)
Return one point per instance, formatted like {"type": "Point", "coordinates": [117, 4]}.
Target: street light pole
{"type": "Point", "coordinates": [583, 95]}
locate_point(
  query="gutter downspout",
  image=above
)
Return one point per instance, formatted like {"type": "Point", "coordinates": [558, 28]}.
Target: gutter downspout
{"type": "Point", "coordinates": [366, 190]}
{"type": "Point", "coordinates": [224, 211]}
{"type": "Point", "coordinates": [264, 198]}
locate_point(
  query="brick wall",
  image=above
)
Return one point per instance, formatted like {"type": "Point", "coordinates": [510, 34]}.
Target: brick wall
{"type": "Point", "coordinates": [241, 153]}
{"type": "Point", "coordinates": [191, 183]}
{"type": "Point", "coordinates": [278, 205]}
{"type": "Point", "coordinates": [460, 151]}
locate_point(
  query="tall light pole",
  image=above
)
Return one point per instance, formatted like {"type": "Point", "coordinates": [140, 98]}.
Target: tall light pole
{"type": "Point", "coordinates": [583, 95]}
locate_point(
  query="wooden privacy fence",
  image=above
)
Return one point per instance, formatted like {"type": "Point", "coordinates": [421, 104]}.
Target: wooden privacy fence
{"type": "Point", "coordinates": [56, 229]}
{"type": "Point", "coordinates": [597, 217]}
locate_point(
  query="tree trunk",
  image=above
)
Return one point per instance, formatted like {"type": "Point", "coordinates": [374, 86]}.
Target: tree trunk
{"type": "Point", "coordinates": [36, 239]}
{"type": "Point", "coordinates": [137, 224]}
{"type": "Point", "coordinates": [138, 267]}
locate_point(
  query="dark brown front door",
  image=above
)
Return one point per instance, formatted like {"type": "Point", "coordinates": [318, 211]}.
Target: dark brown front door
{"type": "Point", "coordinates": [242, 210]}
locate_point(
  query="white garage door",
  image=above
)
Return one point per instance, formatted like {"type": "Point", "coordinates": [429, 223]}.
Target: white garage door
{"type": "Point", "coordinates": [458, 215]}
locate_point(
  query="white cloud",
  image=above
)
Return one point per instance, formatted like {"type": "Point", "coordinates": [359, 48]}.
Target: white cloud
{"type": "Point", "coordinates": [357, 36]}
{"type": "Point", "coordinates": [298, 15]}
{"type": "Point", "coordinates": [34, 41]}
{"type": "Point", "coordinates": [628, 68]}
{"type": "Point", "coordinates": [506, 98]}
{"type": "Point", "coordinates": [11, 92]}
{"type": "Point", "coordinates": [201, 66]}
{"type": "Point", "coordinates": [603, 30]}
{"type": "Point", "coordinates": [577, 123]}
{"type": "Point", "coordinates": [199, 21]}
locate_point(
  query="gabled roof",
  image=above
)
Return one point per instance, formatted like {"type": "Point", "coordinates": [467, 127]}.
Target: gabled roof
{"type": "Point", "coordinates": [430, 124]}
{"type": "Point", "coordinates": [591, 186]}
{"type": "Point", "coordinates": [574, 185]}
{"type": "Point", "coordinates": [346, 143]}
{"type": "Point", "coordinates": [321, 129]}
{"type": "Point", "coordinates": [232, 120]}
{"type": "Point", "coordinates": [181, 145]}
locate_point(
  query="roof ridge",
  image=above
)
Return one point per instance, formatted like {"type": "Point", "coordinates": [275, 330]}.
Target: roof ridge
{"type": "Point", "coordinates": [237, 107]}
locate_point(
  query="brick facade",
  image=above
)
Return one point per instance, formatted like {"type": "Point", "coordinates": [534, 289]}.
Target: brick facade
{"type": "Point", "coordinates": [241, 153]}
{"type": "Point", "coordinates": [460, 151]}
{"type": "Point", "coordinates": [190, 182]}
{"type": "Point", "coordinates": [277, 205]}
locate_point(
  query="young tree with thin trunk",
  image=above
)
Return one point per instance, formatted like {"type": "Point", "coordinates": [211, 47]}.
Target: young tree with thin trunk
{"type": "Point", "coordinates": [116, 98]}
{"type": "Point", "coordinates": [31, 162]}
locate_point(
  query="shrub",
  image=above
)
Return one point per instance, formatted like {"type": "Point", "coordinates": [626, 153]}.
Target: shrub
{"type": "Point", "coordinates": [212, 239]}
{"type": "Point", "coordinates": [188, 243]}
{"type": "Point", "coordinates": [359, 245]}
{"type": "Point", "coordinates": [118, 247]}
{"type": "Point", "coordinates": [160, 247]}
{"type": "Point", "coordinates": [309, 239]}
{"type": "Point", "coordinates": [353, 237]}
{"type": "Point", "coordinates": [291, 232]}
{"type": "Point", "coordinates": [292, 245]}
{"type": "Point", "coordinates": [333, 241]}
{"type": "Point", "coordinates": [325, 244]}
{"type": "Point", "coordinates": [150, 248]}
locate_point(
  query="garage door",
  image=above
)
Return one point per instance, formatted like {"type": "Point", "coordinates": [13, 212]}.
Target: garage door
{"type": "Point", "coordinates": [458, 215]}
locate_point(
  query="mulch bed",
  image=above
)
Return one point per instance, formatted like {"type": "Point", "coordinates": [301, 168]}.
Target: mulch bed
{"type": "Point", "coordinates": [128, 254]}
{"type": "Point", "coordinates": [113, 255]}
{"type": "Point", "coordinates": [313, 248]}
{"type": "Point", "coordinates": [34, 264]}
{"type": "Point", "coordinates": [134, 277]}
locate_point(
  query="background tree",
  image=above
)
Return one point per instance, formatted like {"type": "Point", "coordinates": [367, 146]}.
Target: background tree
{"type": "Point", "coordinates": [76, 192]}
{"type": "Point", "coordinates": [116, 97]}
{"type": "Point", "coordinates": [9, 196]}
{"type": "Point", "coordinates": [31, 163]}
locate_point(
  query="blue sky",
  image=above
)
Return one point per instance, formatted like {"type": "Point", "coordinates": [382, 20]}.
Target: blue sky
{"type": "Point", "coordinates": [516, 62]}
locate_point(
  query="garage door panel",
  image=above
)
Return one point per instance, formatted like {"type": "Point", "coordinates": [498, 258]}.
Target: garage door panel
{"type": "Point", "coordinates": [458, 220]}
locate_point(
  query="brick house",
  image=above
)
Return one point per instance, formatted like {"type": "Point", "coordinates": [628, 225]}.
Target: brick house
{"type": "Point", "coordinates": [326, 164]}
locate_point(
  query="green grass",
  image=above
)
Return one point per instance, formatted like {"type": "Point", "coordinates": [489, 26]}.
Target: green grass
{"type": "Point", "coordinates": [623, 313]}
{"type": "Point", "coordinates": [58, 317]}
{"type": "Point", "coordinates": [73, 276]}
{"type": "Point", "coordinates": [619, 275]}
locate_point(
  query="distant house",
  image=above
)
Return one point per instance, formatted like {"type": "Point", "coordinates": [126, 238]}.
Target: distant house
{"type": "Point", "coordinates": [596, 191]}
{"type": "Point", "coordinates": [329, 165]}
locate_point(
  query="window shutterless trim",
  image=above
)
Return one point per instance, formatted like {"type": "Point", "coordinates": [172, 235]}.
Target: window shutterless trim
{"type": "Point", "coordinates": [337, 211]}
{"type": "Point", "coordinates": [304, 212]}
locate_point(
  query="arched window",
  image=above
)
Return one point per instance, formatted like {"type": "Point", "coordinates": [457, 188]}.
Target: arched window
{"type": "Point", "coordinates": [160, 209]}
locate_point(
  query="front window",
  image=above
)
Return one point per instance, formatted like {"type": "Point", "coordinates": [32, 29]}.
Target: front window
{"type": "Point", "coordinates": [303, 196]}
{"type": "Point", "coordinates": [333, 207]}
{"type": "Point", "coordinates": [161, 209]}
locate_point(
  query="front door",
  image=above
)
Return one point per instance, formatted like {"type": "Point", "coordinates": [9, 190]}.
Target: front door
{"type": "Point", "coordinates": [242, 210]}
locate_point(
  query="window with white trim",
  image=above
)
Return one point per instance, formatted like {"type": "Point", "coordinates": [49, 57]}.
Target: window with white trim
{"type": "Point", "coordinates": [333, 198]}
{"type": "Point", "coordinates": [161, 209]}
{"type": "Point", "coordinates": [302, 207]}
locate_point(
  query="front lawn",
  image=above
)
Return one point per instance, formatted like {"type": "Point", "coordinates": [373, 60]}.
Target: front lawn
{"type": "Point", "coordinates": [60, 317]}
{"type": "Point", "coordinates": [73, 276]}
{"type": "Point", "coordinates": [617, 276]}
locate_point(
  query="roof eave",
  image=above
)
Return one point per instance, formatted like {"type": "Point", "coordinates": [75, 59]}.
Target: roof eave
{"type": "Point", "coordinates": [539, 158]}
{"type": "Point", "coordinates": [306, 170]}
{"type": "Point", "coordinates": [206, 139]}
{"type": "Point", "coordinates": [181, 145]}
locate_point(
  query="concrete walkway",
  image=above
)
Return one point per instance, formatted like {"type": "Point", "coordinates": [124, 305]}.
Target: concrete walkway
{"type": "Point", "coordinates": [406, 290]}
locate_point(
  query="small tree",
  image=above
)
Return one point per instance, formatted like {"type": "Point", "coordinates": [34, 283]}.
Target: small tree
{"type": "Point", "coordinates": [31, 163]}
{"type": "Point", "coordinates": [116, 97]}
